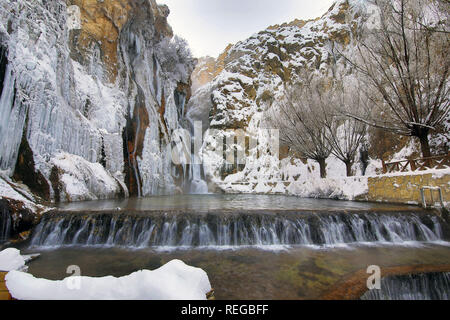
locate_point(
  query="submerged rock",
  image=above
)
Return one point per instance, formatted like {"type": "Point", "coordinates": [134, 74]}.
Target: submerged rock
{"type": "Point", "coordinates": [16, 218]}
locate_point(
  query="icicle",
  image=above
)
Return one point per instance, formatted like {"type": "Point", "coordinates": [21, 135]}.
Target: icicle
{"type": "Point", "coordinates": [11, 123]}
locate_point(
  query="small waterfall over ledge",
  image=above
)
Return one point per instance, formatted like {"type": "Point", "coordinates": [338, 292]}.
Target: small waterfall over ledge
{"type": "Point", "coordinates": [223, 229]}
{"type": "Point", "coordinates": [5, 225]}
{"type": "Point", "coordinates": [424, 286]}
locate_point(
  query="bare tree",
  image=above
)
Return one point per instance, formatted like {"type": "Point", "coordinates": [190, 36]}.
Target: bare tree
{"type": "Point", "coordinates": [300, 117]}
{"type": "Point", "coordinates": [405, 65]}
{"type": "Point", "coordinates": [345, 133]}
{"type": "Point", "coordinates": [176, 58]}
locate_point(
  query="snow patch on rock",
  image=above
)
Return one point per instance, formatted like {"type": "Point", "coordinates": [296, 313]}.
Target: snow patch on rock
{"type": "Point", "coordinates": [83, 180]}
{"type": "Point", "coordinates": [18, 192]}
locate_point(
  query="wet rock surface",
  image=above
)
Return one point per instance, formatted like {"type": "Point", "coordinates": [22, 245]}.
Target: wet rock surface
{"type": "Point", "coordinates": [16, 218]}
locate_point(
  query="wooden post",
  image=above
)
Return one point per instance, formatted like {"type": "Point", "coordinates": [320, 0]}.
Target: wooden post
{"type": "Point", "coordinates": [413, 165]}
{"type": "Point", "coordinates": [384, 166]}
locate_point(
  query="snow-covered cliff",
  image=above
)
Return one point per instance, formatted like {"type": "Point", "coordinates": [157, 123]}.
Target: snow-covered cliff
{"type": "Point", "coordinates": [90, 94]}
{"type": "Point", "coordinates": [241, 85]}
{"type": "Point", "coordinates": [238, 91]}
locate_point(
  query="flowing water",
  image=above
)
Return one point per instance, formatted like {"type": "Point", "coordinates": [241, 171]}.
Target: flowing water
{"type": "Point", "coordinates": [297, 273]}
{"type": "Point", "coordinates": [252, 247]}
{"type": "Point", "coordinates": [196, 182]}
{"type": "Point", "coordinates": [5, 225]}
{"type": "Point", "coordinates": [422, 286]}
{"type": "Point", "coordinates": [234, 229]}
{"type": "Point", "coordinates": [227, 202]}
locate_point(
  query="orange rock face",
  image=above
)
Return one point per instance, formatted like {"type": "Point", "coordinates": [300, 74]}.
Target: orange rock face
{"type": "Point", "coordinates": [208, 68]}
{"type": "Point", "coordinates": [102, 23]}
{"type": "Point", "coordinates": [296, 22]}
{"type": "Point", "coordinates": [204, 72]}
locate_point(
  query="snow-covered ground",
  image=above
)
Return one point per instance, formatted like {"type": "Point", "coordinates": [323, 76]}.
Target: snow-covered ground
{"type": "Point", "coordinates": [345, 188]}
{"type": "Point", "coordinates": [304, 180]}
{"type": "Point", "coordinates": [173, 281]}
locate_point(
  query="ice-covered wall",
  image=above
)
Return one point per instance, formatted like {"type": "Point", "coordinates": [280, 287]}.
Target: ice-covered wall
{"type": "Point", "coordinates": [84, 78]}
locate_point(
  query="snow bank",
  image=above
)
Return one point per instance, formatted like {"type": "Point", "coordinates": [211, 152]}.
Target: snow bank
{"type": "Point", "coordinates": [344, 188]}
{"type": "Point", "coordinates": [10, 259]}
{"type": "Point", "coordinates": [348, 188]}
{"type": "Point", "coordinates": [173, 281]}
{"type": "Point", "coordinates": [293, 177]}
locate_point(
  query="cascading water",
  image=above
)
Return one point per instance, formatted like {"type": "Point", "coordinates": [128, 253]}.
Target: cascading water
{"type": "Point", "coordinates": [197, 184]}
{"type": "Point", "coordinates": [195, 176]}
{"type": "Point", "coordinates": [5, 225]}
{"type": "Point", "coordinates": [425, 286]}
{"type": "Point", "coordinates": [217, 229]}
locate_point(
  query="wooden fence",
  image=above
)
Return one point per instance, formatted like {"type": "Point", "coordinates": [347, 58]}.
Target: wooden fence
{"type": "Point", "coordinates": [436, 162]}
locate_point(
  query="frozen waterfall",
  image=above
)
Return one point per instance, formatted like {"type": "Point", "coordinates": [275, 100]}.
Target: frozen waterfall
{"type": "Point", "coordinates": [195, 177]}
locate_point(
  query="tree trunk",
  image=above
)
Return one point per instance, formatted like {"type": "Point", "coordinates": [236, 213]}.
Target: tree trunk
{"type": "Point", "coordinates": [424, 144]}
{"type": "Point", "coordinates": [348, 166]}
{"type": "Point", "coordinates": [323, 166]}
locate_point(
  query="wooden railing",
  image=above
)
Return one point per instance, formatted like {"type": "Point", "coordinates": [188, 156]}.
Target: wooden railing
{"type": "Point", "coordinates": [436, 162]}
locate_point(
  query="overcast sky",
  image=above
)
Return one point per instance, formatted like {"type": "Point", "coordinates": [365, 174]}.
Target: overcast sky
{"type": "Point", "coordinates": [210, 25]}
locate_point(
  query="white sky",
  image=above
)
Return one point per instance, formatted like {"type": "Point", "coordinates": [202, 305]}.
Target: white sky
{"type": "Point", "coordinates": [210, 25]}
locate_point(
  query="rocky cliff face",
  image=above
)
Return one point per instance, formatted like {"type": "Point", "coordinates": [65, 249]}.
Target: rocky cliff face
{"type": "Point", "coordinates": [208, 68]}
{"type": "Point", "coordinates": [251, 72]}
{"type": "Point", "coordinates": [238, 88]}
{"type": "Point", "coordinates": [88, 100]}
{"type": "Point", "coordinates": [250, 75]}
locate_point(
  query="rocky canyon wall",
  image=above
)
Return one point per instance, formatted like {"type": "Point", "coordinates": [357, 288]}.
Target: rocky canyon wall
{"type": "Point", "coordinates": [89, 99]}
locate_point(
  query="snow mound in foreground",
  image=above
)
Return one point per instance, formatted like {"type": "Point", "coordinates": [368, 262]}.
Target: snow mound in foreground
{"type": "Point", "coordinates": [10, 259]}
{"type": "Point", "coordinates": [173, 281]}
